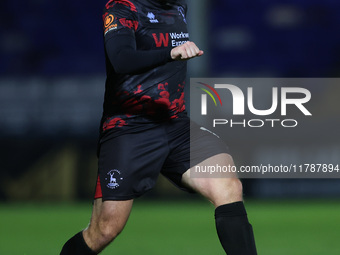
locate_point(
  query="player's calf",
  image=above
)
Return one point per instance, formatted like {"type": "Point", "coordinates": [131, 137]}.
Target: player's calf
{"type": "Point", "coordinates": [233, 228]}
{"type": "Point", "coordinates": [76, 246]}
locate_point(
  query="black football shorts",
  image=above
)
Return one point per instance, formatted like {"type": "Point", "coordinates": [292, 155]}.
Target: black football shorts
{"type": "Point", "coordinates": [130, 164]}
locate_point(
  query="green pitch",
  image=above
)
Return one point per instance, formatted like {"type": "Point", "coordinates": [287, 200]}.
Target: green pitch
{"type": "Point", "coordinates": [281, 228]}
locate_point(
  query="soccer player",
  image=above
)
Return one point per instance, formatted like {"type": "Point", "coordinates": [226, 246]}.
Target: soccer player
{"type": "Point", "coordinates": [145, 130]}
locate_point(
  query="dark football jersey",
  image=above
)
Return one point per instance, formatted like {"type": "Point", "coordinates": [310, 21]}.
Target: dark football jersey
{"type": "Point", "coordinates": [154, 94]}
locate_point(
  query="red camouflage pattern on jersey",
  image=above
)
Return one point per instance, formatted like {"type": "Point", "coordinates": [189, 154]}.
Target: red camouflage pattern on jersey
{"type": "Point", "coordinates": [129, 23]}
{"type": "Point", "coordinates": [113, 122]}
{"type": "Point", "coordinates": [127, 3]}
{"type": "Point", "coordinates": [145, 104]}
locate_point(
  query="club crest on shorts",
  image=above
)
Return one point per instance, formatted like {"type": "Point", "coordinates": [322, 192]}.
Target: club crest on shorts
{"type": "Point", "coordinates": [113, 179]}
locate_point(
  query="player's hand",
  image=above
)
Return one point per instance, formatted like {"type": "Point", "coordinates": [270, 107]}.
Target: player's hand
{"type": "Point", "coordinates": [186, 51]}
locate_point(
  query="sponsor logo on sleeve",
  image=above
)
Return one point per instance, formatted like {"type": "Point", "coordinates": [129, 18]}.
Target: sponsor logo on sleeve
{"type": "Point", "coordinates": [109, 23]}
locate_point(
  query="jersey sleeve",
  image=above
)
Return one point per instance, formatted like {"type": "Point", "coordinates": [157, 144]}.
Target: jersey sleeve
{"type": "Point", "coordinates": [125, 59]}
{"type": "Point", "coordinates": [119, 17]}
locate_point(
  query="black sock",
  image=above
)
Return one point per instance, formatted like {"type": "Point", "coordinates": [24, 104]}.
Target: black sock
{"type": "Point", "coordinates": [233, 229]}
{"type": "Point", "coordinates": [76, 246]}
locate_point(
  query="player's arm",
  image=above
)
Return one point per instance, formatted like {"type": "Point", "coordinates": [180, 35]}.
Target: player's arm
{"type": "Point", "coordinates": [126, 59]}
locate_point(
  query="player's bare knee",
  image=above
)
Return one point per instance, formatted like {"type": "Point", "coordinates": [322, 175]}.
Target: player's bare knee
{"type": "Point", "coordinates": [229, 191]}
{"type": "Point", "coordinates": [108, 231]}
{"type": "Point", "coordinates": [235, 187]}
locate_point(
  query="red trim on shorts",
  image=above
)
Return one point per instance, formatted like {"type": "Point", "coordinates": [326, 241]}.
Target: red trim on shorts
{"type": "Point", "coordinates": [98, 193]}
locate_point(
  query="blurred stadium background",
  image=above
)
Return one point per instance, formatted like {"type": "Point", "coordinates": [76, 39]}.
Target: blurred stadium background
{"type": "Point", "coordinates": [51, 89]}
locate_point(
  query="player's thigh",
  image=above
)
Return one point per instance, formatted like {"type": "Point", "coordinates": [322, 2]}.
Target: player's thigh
{"type": "Point", "coordinates": [221, 188]}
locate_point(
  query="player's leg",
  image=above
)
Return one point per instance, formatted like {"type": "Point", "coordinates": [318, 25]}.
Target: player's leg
{"type": "Point", "coordinates": [191, 146]}
{"type": "Point", "coordinates": [234, 230]}
{"type": "Point", "coordinates": [128, 166]}
{"type": "Point", "coordinates": [107, 221]}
